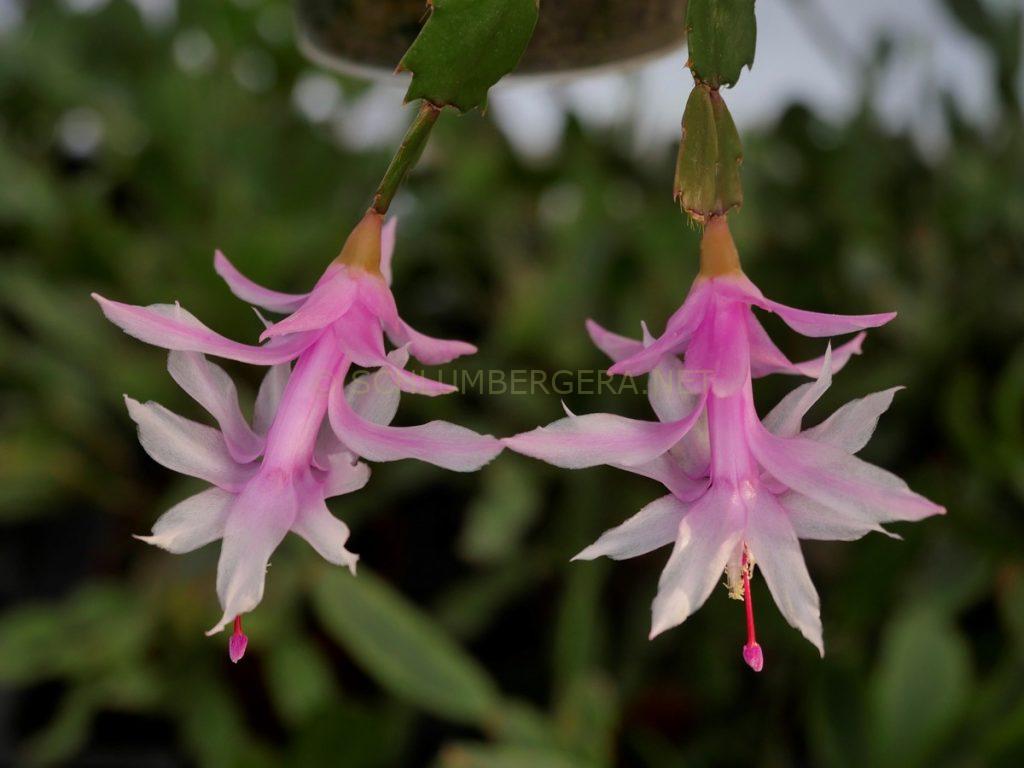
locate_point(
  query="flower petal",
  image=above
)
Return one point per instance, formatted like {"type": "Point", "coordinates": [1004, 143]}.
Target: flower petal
{"type": "Point", "coordinates": [602, 438]}
{"type": "Point", "coordinates": [375, 397]}
{"type": "Point", "coordinates": [766, 358]}
{"type": "Point", "coordinates": [186, 446]}
{"type": "Point", "coordinates": [832, 477]}
{"type": "Point", "coordinates": [212, 388]}
{"type": "Point", "coordinates": [268, 398]}
{"type": "Point", "coordinates": [667, 391]}
{"type": "Point", "coordinates": [192, 523]}
{"type": "Point", "coordinates": [427, 349]}
{"type": "Point", "coordinates": [415, 384]}
{"type": "Point", "coordinates": [776, 550]}
{"type": "Point", "coordinates": [852, 425]}
{"type": "Point", "coordinates": [824, 324]}
{"type": "Point", "coordinates": [612, 344]}
{"type": "Point", "coordinates": [326, 534]}
{"type": "Point", "coordinates": [669, 471]}
{"type": "Point", "coordinates": [345, 474]}
{"type": "Point", "coordinates": [171, 327]}
{"type": "Point", "coordinates": [785, 418]}
{"type": "Point", "coordinates": [812, 520]}
{"type": "Point", "coordinates": [652, 527]}
{"type": "Point", "coordinates": [438, 442]}
{"type": "Point", "coordinates": [707, 536]}
{"type": "Point", "coordinates": [253, 293]}
{"type": "Point", "coordinates": [257, 522]}
{"type": "Point", "coordinates": [719, 354]}
{"type": "Point", "coordinates": [331, 299]}
{"type": "Point", "coordinates": [678, 331]}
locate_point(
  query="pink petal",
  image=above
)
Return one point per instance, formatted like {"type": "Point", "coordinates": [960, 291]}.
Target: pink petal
{"type": "Point", "coordinates": [192, 523]}
{"type": "Point", "coordinates": [836, 479]}
{"type": "Point", "coordinates": [766, 358]}
{"type": "Point", "coordinates": [326, 534]}
{"type": "Point", "coordinates": [427, 349]}
{"type": "Point", "coordinates": [171, 327]}
{"type": "Point", "coordinates": [707, 536]}
{"type": "Point", "coordinates": [212, 388]}
{"type": "Point", "coordinates": [251, 292]}
{"type": "Point", "coordinates": [719, 352]}
{"type": "Point", "coordinates": [775, 549]}
{"type": "Point", "coordinates": [257, 522]}
{"type": "Point", "coordinates": [331, 299]}
{"type": "Point", "coordinates": [823, 324]}
{"type": "Point", "coordinates": [678, 332]}
{"type": "Point", "coordinates": [667, 391]}
{"type": "Point", "coordinates": [387, 247]}
{"type": "Point", "coordinates": [652, 527]}
{"type": "Point", "coordinates": [415, 384]}
{"type": "Point", "coordinates": [438, 442]}
{"type": "Point", "coordinates": [186, 446]}
{"type": "Point", "coordinates": [612, 344]}
{"type": "Point", "coordinates": [602, 438]}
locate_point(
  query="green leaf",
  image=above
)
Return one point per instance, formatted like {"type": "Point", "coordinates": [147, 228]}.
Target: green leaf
{"type": "Point", "coordinates": [507, 756]}
{"type": "Point", "coordinates": [920, 688]}
{"type": "Point", "coordinates": [587, 715]}
{"type": "Point", "coordinates": [500, 515]}
{"type": "Point", "coordinates": [402, 649]}
{"type": "Point", "coordinates": [722, 35]}
{"type": "Point", "coordinates": [465, 47]}
{"type": "Point", "coordinates": [707, 179]}
{"type": "Point", "coordinates": [299, 678]}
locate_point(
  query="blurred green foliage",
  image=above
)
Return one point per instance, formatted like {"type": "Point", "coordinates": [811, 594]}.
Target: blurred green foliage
{"type": "Point", "coordinates": [469, 640]}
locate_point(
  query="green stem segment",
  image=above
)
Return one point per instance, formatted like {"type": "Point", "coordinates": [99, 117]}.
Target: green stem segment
{"type": "Point", "coordinates": [405, 158]}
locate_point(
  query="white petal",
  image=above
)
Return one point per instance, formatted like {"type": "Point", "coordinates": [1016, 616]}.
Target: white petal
{"type": "Point", "coordinates": [375, 396]}
{"type": "Point", "coordinates": [186, 446]}
{"type": "Point", "coordinates": [269, 397]}
{"type": "Point", "coordinates": [654, 526]}
{"type": "Point", "coordinates": [776, 550]}
{"type": "Point", "coordinates": [326, 534]}
{"type": "Point", "coordinates": [707, 536]}
{"type": "Point", "coordinates": [852, 425]}
{"type": "Point", "coordinates": [345, 474]}
{"type": "Point", "coordinates": [211, 387]}
{"type": "Point", "coordinates": [259, 519]}
{"type": "Point", "coordinates": [192, 523]}
{"type": "Point", "coordinates": [813, 520]}
{"type": "Point", "coordinates": [785, 418]}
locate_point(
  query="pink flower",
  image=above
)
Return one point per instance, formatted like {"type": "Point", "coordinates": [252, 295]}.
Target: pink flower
{"type": "Point", "coordinates": [309, 430]}
{"type": "Point", "coordinates": [742, 491]}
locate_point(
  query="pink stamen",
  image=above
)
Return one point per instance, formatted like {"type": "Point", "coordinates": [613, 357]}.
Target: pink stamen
{"type": "Point", "coordinates": [238, 642]}
{"type": "Point", "coordinates": [751, 651]}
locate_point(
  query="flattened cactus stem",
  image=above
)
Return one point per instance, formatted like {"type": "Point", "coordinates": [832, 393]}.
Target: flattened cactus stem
{"type": "Point", "coordinates": [405, 158]}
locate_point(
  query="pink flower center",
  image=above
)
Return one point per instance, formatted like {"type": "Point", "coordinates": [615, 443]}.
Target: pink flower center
{"type": "Point", "coordinates": [751, 651]}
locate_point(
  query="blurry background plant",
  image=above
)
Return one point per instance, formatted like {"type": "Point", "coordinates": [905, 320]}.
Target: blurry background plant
{"type": "Point", "coordinates": [137, 136]}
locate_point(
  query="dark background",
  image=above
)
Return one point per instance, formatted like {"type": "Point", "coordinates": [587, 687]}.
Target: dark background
{"type": "Point", "coordinates": [468, 638]}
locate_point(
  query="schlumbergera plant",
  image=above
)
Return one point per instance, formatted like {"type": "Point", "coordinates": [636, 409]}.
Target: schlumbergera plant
{"type": "Point", "coordinates": [743, 490]}
{"type": "Point", "coordinates": [311, 432]}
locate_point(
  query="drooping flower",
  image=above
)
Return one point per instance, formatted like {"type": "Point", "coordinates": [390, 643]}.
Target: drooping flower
{"type": "Point", "coordinates": [275, 475]}
{"type": "Point", "coordinates": [742, 491]}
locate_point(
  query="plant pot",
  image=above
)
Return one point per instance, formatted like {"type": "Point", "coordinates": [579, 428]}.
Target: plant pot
{"type": "Point", "coordinates": [369, 37]}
